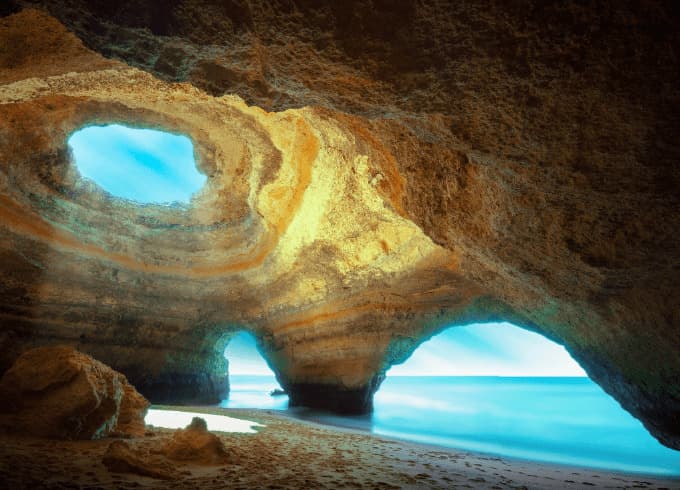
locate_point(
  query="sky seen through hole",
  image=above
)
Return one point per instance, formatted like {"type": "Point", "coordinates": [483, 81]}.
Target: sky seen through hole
{"type": "Point", "coordinates": [142, 165]}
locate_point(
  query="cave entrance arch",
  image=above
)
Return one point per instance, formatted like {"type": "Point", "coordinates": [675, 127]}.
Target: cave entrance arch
{"type": "Point", "coordinates": [252, 383]}
{"type": "Point", "coordinates": [147, 166]}
{"type": "Point", "coordinates": [501, 389]}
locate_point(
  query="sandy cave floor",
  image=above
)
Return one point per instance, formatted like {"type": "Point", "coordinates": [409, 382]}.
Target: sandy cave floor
{"type": "Point", "coordinates": [290, 454]}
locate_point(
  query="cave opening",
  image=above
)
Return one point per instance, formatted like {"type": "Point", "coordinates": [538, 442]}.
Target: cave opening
{"type": "Point", "coordinates": [498, 388]}
{"type": "Point", "coordinates": [147, 166]}
{"type": "Point", "coordinates": [252, 383]}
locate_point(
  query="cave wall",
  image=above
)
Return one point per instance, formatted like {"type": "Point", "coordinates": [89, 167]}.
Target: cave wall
{"type": "Point", "coordinates": [376, 172]}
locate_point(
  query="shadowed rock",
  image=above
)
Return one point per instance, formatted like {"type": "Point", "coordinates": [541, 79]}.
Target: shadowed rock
{"type": "Point", "coordinates": [61, 393]}
{"type": "Point", "coordinates": [121, 458]}
{"type": "Point", "coordinates": [131, 414]}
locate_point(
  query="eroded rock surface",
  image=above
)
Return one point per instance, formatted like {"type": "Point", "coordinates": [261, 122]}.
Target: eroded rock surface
{"type": "Point", "coordinates": [429, 165]}
{"type": "Point", "coordinates": [131, 413]}
{"type": "Point", "coordinates": [121, 458]}
{"type": "Point", "coordinates": [60, 393]}
{"type": "Point", "coordinates": [196, 444]}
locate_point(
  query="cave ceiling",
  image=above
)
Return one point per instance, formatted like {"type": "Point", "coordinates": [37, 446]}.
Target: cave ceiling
{"type": "Point", "coordinates": [377, 171]}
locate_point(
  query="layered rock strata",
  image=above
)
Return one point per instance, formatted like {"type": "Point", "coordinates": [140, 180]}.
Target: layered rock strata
{"type": "Point", "coordinates": [375, 174]}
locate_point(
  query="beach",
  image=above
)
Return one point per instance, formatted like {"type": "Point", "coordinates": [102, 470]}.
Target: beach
{"type": "Point", "coordinates": [555, 420]}
{"type": "Point", "coordinates": [293, 454]}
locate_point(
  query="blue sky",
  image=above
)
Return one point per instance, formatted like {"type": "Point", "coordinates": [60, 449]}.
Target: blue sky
{"type": "Point", "coordinates": [491, 349]}
{"type": "Point", "coordinates": [142, 165]}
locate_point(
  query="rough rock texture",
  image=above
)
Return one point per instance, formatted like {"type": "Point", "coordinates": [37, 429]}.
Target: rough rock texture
{"type": "Point", "coordinates": [121, 458]}
{"type": "Point", "coordinates": [430, 164]}
{"type": "Point", "coordinates": [61, 393]}
{"type": "Point", "coordinates": [131, 413]}
{"type": "Point", "coordinates": [196, 444]}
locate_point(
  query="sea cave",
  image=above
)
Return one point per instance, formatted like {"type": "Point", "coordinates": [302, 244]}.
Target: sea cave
{"type": "Point", "coordinates": [330, 185]}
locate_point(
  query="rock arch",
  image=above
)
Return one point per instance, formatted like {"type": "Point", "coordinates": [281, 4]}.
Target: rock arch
{"type": "Point", "coordinates": [341, 228]}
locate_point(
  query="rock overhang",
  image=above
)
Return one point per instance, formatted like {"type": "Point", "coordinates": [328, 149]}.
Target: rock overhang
{"type": "Point", "coordinates": [267, 208]}
{"type": "Point", "coordinates": [310, 230]}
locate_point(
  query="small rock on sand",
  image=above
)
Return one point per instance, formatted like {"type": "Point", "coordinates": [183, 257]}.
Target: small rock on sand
{"type": "Point", "coordinates": [121, 458]}
{"type": "Point", "coordinates": [197, 445]}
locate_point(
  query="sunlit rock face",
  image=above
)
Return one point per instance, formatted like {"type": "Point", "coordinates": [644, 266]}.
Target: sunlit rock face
{"type": "Point", "coordinates": [375, 173]}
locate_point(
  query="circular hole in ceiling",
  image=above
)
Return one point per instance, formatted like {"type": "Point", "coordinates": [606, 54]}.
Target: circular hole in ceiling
{"type": "Point", "coordinates": [142, 165]}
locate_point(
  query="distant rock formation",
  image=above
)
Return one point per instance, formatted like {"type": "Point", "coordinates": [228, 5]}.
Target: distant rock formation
{"type": "Point", "coordinates": [59, 392]}
{"type": "Point", "coordinates": [197, 445]}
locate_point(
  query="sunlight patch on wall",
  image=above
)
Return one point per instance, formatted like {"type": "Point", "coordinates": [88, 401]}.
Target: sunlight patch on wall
{"type": "Point", "coordinates": [142, 165]}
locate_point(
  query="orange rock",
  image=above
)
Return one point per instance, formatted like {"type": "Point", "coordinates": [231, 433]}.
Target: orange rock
{"type": "Point", "coordinates": [375, 174]}
{"type": "Point", "coordinates": [59, 392]}
{"type": "Point", "coordinates": [196, 444]}
{"type": "Point", "coordinates": [121, 458]}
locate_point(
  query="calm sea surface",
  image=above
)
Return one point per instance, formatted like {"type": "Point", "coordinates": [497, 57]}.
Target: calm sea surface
{"type": "Point", "coordinates": [559, 420]}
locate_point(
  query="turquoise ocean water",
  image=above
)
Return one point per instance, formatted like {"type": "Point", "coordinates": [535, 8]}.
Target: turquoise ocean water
{"type": "Point", "coordinates": [558, 420]}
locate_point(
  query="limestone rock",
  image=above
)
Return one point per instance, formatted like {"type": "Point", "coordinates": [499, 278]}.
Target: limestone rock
{"type": "Point", "coordinates": [131, 413]}
{"type": "Point", "coordinates": [121, 458]}
{"type": "Point", "coordinates": [377, 172]}
{"type": "Point", "coordinates": [197, 445]}
{"type": "Point", "coordinates": [59, 392]}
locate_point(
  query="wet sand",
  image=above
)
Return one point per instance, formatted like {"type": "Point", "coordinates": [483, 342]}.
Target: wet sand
{"type": "Point", "coordinates": [292, 454]}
